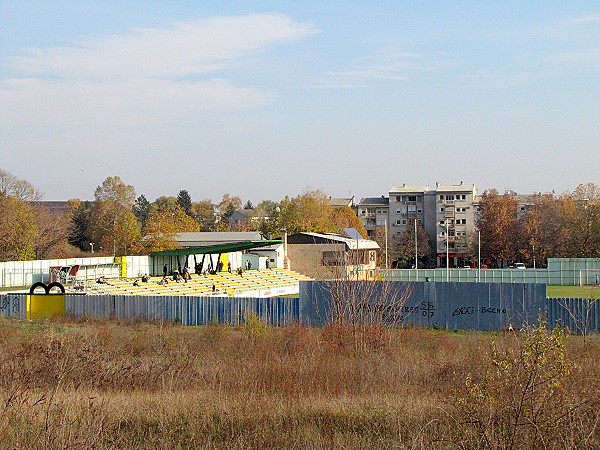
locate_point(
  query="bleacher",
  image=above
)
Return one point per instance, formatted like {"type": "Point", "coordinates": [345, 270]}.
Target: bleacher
{"type": "Point", "coordinates": [253, 283]}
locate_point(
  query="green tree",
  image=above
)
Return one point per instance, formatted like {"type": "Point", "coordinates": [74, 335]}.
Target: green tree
{"type": "Point", "coordinates": [80, 228]}
{"type": "Point", "coordinates": [141, 209]}
{"type": "Point", "coordinates": [185, 201]}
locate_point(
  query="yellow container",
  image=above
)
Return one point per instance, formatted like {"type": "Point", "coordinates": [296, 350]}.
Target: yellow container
{"type": "Point", "coordinates": [41, 306]}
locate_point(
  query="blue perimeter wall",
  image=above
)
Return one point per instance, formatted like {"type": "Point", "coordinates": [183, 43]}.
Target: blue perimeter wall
{"type": "Point", "coordinates": [477, 306]}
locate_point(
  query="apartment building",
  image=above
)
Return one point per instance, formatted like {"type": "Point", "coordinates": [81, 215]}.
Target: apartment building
{"type": "Point", "coordinates": [446, 212]}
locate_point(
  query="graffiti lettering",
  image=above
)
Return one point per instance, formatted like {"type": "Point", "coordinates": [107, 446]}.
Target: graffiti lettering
{"type": "Point", "coordinates": [483, 309]}
{"type": "Point", "coordinates": [464, 310]}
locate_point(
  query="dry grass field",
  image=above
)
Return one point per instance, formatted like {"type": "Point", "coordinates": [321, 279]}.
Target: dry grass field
{"type": "Point", "coordinates": [109, 385]}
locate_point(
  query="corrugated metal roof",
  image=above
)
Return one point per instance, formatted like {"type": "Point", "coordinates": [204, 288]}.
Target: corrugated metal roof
{"type": "Point", "coordinates": [219, 248]}
{"type": "Point", "coordinates": [352, 244]}
{"type": "Point", "coordinates": [195, 239]}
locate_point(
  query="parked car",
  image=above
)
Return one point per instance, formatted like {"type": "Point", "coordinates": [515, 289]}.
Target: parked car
{"type": "Point", "coordinates": [519, 266]}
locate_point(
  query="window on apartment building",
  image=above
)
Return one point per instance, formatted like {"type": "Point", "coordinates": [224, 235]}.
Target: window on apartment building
{"type": "Point", "coordinates": [412, 209]}
{"type": "Point", "coordinates": [403, 221]}
{"type": "Point", "coordinates": [371, 210]}
{"type": "Point", "coordinates": [398, 198]}
{"type": "Point", "coordinates": [398, 211]}
{"type": "Point", "coordinates": [442, 222]}
{"type": "Point", "coordinates": [450, 197]}
{"type": "Point", "coordinates": [441, 209]}
{"type": "Point", "coordinates": [419, 221]}
{"type": "Point", "coordinates": [419, 211]}
{"type": "Point", "coordinates": [399, 222]}
{"type": "Point", "coordinates": [442, 233]}
{"type": "Point", "coordinates": [412, 198]}
{"type": "Point", "coordinates": [441, 197]}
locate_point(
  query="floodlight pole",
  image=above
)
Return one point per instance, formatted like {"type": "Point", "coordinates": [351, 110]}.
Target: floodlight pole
{"type": "Point", "coordinates": [447, 254]}
{"type": "Point", "coordinates": [416, 253]}
{"type": "Point", "coordinates": [386, 243]}
{"type": "Point", "coordinates": [478, 255]}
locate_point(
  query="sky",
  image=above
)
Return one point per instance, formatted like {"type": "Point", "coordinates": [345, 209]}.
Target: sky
{"type": "Point", "coordinates": [264, 99]}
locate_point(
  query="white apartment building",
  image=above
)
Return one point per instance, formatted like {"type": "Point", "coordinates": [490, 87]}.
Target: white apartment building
{"type": "Point", "coordinates": [446, 212]}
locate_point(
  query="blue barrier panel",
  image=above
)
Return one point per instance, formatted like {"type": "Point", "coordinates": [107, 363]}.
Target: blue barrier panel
{"type": "Point", "coordinates": [455, 305]}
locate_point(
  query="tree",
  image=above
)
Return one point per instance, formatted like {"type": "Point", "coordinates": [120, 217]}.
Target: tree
{"type": "Point", "coordinates": [113, 225]}
{"type": "Point", "coordinates": [141, 209]}
{"type": "Point", "coordinates": [542, 229]}
{"type": "Point", "coordinates": [581, 220]}
{"type": "Point", "coordinates": [404, 247]}
{"type": "Point", "coordinates": [165, 204]}
{"type": "Point", "coordinates": [226, 208]}
{"type": "Point", "coordinates": [345, 217]}
{"type": "Point", "coordinates": [310, 211]}
{"type": "Point", "coordinates": [185, 201]}
{"type": "Point", "coordinates": [161, 228]}
{"type": "Point", "coordinates": [13, 187]}
{"type": "Point", "coordinates": [498, 226]}
{"type": "Point", "coordinates": [17, 230]}
{"type": "Point", "coordinates": [204, 212]}
{"type": "Point", "coordinates": [80, 226]}
{"type": "Point", "coordinates": [52, 231]}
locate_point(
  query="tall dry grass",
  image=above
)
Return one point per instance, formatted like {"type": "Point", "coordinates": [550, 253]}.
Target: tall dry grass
{"type": "Point", "coordinates": [109, 385]}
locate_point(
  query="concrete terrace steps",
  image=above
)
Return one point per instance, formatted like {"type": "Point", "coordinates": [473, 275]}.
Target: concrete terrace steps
{"type": "Point", "coordinates": [225, 283]}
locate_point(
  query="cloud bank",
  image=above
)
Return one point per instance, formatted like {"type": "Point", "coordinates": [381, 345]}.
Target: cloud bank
{"type": "Point", "coordinates": [145, 76]}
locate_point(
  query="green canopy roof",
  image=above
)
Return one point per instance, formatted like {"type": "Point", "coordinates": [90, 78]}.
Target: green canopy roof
{"type": "Point", "coordinates": [218, 248]}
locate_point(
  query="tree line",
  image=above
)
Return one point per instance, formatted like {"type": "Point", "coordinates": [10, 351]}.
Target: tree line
{"type": "Point", "coordinates": [120, 222]}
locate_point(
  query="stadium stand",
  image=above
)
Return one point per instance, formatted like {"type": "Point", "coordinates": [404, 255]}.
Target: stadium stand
{"type": "Point", "coordinates": [264, 283]}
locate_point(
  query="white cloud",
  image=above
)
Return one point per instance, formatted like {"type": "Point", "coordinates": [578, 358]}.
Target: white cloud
{"type": "Point", "coordinates": [586, 19]}
{"type": "Point", "coordinates": [189, 48]}
{"type": "Point", "coordinates": [146, 77]}
{"type": "Point", "coordinates": [386, 65]}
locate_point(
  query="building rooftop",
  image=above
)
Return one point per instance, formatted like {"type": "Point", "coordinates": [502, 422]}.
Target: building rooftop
{"type": "Point", "coordinates": [405, 189]}
{"type": "Point", "coordinates": [195, 239]}
{"type": "Point", "coordinates": [340, 202]}
{"type": "Point", "coordinates": [376, 201]}
{"type": "Point", "coordinates": [351, 244]}
{"type": "Point", "coordinates": [462, 187]}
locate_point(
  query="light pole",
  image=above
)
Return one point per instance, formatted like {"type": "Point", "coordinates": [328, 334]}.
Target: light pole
{"type": "Point", "coordinates": [386, 243]}
{"type": "Point", "coordinates": [416, 254]}
{"type": "Point", "coordinates": [478, 256]}
{"type": "Point", "coordinates": [447, 254]}
{"type": "Point", "coordinates": [92, 245]}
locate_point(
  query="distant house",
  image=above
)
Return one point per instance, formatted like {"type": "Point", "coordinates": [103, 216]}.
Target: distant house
{"type": "Point", "coordinates": [330, 255]}
{"type": "Point", "coordinates": [341, 202]}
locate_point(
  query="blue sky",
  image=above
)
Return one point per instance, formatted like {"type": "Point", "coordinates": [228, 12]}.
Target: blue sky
{"type": "Point", "coordinates": [265, 99]}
